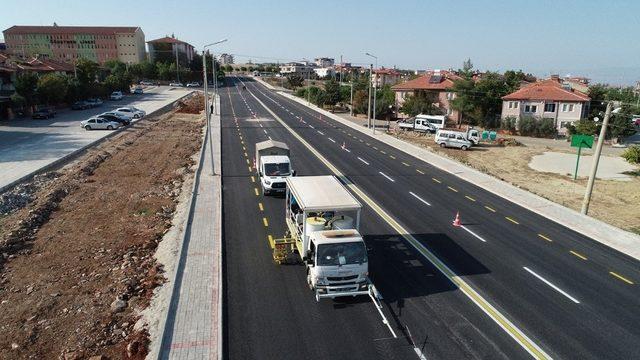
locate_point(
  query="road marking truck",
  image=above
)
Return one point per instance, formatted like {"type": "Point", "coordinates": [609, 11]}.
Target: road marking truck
{"type": "Point", "coordinates": [273, 166]}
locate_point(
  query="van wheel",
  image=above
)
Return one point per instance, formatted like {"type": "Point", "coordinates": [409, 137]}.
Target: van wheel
{"type": "Point", "coordinates": [109, 127]}
{"type": "Point", "coordinates": [309, 282]}
{"type": "Point", "coordinates": [464, 148]}
{"type": "Point", "coordinates": [442, 145]}
{"type": "Point", "coordinates": [88, 128]}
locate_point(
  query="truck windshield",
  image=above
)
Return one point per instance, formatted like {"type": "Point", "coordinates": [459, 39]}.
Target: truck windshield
{"type": "Point", "coordinates": [342, 254]}
{"type": "Point", "coordinates": [281, 169]}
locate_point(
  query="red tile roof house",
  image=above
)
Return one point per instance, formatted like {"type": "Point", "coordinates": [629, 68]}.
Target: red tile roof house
{"type": "Point", "coordinates": [437, 82]}
{"type": "Point", "coordinates": [549, 98]}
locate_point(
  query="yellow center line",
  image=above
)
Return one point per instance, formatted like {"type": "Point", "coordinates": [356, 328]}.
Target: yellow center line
{"type": "Point", "coordinates": [470, 198]}
{"type": "Point", "coordinates": [244, 148]}
{"type": "Point", "coordinates": [490, 208]}
{"type": "Point", "coordinates": [512, 220]}
{"type": "Point", "coordinates": [245, 154]}
{"type": "Point", "coordinates": [271, 244]}
{"type": "Point", "coordinates": [242, 142]}
{"type": "Point", "coordinates": [436, 180]}
{"type": "Point", "coordinates": [452, 189]}
{"type": "Point", "coordinates": [544, 237]}
{"type": "Point", "coordinates": [621, 278]}
{"type": "Point", "coordinates": [249, 168]}
{"type": "Point", "coordinates": [253, 179]}
{"type": "Point", "coordinates": [248, 163]}
{"type": "Point", "coordinates": [578, 255]}
{"type": "Point", "coordinates": [256, 191]}
{"type": "Point", "coordinates": [265, 222]}
{"type": "Point", "coordinates": [260, 206]}
{"type": "Point", "coordinates": [420, 171]}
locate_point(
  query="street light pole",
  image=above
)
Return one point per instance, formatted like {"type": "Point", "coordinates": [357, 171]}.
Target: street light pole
{"type": "Point", "coordinates": [206, 83]}
{"type": "Point", "coordinates": [351, 80]}
{"type": "Point", "coordinates": [369, 103]}
{"type": "Point", "coordinates": [206, 91]}
{"type": "Point", "coordinates": [596, 160]}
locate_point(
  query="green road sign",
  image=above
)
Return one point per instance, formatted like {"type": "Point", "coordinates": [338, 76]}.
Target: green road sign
{"type": "Point", "coordinates": [580, 140]}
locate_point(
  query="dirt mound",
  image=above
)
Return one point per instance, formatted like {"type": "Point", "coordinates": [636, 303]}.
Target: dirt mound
{"type": "Point", "coordinates": [191, 105]}
{"type": "Point", "coordinates": [77, 245]}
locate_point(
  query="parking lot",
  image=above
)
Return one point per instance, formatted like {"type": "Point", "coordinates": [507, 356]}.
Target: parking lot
{"type": "Point", "coordinates": [27, 145]}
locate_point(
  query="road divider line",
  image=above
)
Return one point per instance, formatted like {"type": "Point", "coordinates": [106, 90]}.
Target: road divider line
{"type": "Point", "coordinates": [490, 208]}
{"type": "Point", "coordinates": [554, 287]}
{"type": "Point", "coordinates": [405, 164]}
{"type": "Point", "coordinates": [420, 171]}
{"type": "Point", "coordinates": [470, 198]}
{"type": "Point", "coordinates": [265, 222]}
{"type": "Point", "coordinates": [383, 152]}
{"type": "Point", "coordinates": [253, 179]}
{"type": "Point", "coordinates": [385, 175]}
{"type": "Point", "coordinates": [363, 160]}
{"type": "Point", "coordinates": [452, 189]}
{"type": "Point", "coordinates": [248, 163]}
{"type": "Point", "coordinates": [265, 131]}
{"type": "Point", "coordinates": [512, 220]}
{"type": "Point", "coordinates": [620, 277]}
{"type": "Point", "coordinates": [249, 168]}
{"type": "Point", "coordinates": [473, 233]}
{"type": "Point", "coordinates": [320, 132]}
{"type": "Point", "coordinates": [544, 237]}
{"type": "Point", "coordinates": [578, 255]}
{"type": "Point", "coordinates": [255, 189]}
{"type": "Point", "coordinates": [393, 157]}
{"type": "Point", "coordinates": [501, 320]}
{"type": "Point", "coordinates": [419, 198]}
{"type": "Point", "coordinates": [330, 139]}
{"type": "Point", "coordinates": [260, 206]}
{"type": "Point", "coordinates": [436, 180]}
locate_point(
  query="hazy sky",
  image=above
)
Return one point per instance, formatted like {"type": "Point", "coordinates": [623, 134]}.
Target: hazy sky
{"type": "Point", "coordinates": [599, 39]}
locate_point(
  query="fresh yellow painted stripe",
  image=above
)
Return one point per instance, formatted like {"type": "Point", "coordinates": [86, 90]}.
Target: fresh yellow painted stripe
{"type": "Point", "coordinates": [436, 180]}
{"type": "Point", "coordinates": [405, 164]}
{"type": "Point", "coordinates": [265, 222]}
{"type": "Point", "coordinates": [489, 208]}
{"type": "Point", "coordinates": [544, 237]}
{"type": "Point", "coordinates": [242, 142]}
{"type": "Point", "coordinates": [578, 255]}
{"type": "Point", "coordinates": [470, 198]}
{"type": "Point", "coordinates": [260, 207]}
{"type": "Point", "coordinates": [253, 179]}
{"type": "Point", "coordinates": [245, 154]}
{"type": "Point", "coordinates": [249, 168]}
{"type": "Point", "coordinates": [466, 289]}
{"type": "Point", "coordinates": [621, 278]}
{"type": "Point", "coordinates": [271, 242]}
{"type": "Point", "coordinates": [256, 191]}
{"type": "Point", "coordinates": [512, 220]}
{"type": "Point", "coordinates": [244, 148]}
{"type": "Point", "coordinates": [248, 163]}
{"type": "Point", "coordinates": [420, 171]}
{"type": "Point", "coordinates": [452, 189]}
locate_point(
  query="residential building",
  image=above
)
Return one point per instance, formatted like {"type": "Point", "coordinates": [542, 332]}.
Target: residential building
{"type": "Point", "coordinates": [69, 43]}
{"type": "Point", "coordinates": [577, 82]}
{"type": "Point", "coordinates": [436, 82]}
{"type": "Point", "coordinates": [324, 62]}
{"type": "Point", "coordinates": [298, 68]}
{"type": "Point", "coordinates": [382, 77]}
{"type": "Point", "coordinates": [551, 98]}
{"type": "Point", "coordinates": [226, 59]}
{"type": "Point", "coordinates": [324, 72]}
{"type": "Point", "coordinates": [167, 47]}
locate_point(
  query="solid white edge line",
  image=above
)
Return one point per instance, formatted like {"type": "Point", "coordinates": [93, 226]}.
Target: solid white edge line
{"type": "Point", "coordinates": [419, 198]}
{"type": "Point", "coordinates": [385, 175]}
{"type": "Point", "coordinates": [472, 233]}
{"type": "Point", "coordinates": [363, 160]}
{"type": "Point", "coordinates": [552, 285]}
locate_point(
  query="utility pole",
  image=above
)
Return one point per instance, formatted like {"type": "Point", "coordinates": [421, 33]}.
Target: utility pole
{"type": "Point", "coordinates": [374, 91]}
{"type": "Point", "coordinates": [369, 103]}
{"type": "Point", "coordinates": [351, 78]}
{"type": "Point", "coordinates": [596, 159]}
{"type": "Point", "coordinates": [340, 69]}
{"type": "Point", "coordinates": [177, 66]}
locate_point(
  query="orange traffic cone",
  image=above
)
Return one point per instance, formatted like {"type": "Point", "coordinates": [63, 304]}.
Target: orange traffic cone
{"type": "Point", "coordinates": [456, 221]}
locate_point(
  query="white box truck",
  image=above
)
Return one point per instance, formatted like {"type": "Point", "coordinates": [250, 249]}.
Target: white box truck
{"type": "Point", "coordinates": [273, 166]}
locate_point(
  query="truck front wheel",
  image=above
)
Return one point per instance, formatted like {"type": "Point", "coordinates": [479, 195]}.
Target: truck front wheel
{"type": "Point", "coordinates": [309, 281]}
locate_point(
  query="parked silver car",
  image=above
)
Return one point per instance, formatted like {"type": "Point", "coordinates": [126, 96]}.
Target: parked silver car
{"type": "Point", "coordinates": [455, 139]}
{"type": "Point", "coordinates": [96, 123]}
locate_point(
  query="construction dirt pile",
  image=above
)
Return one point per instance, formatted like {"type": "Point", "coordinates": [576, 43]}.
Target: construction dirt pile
{"type": "Point", "coordinates": [77, 245]}
{"type": "Point", "coordinates": [191, 105]}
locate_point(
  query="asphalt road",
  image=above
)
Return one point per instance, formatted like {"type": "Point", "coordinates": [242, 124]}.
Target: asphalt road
{"type": "Point", "coordinates": [271, 314]}
{"type": "Point", "coordinates": [572, 296]}
{"type": "Point", "coordinates": [27, 145]}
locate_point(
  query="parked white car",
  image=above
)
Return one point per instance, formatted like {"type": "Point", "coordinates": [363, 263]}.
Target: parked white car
{"type": "Point", "coordinates": [116, 95]}
{"type": "Point", "coordinates": [177, 84]}
{"type": "Point", "coordinates": [456, 139]}
{"type": "Point", "coordinates": [193, 84]}
{"type": "Point", "coordinates": [133, 108]}
{"type": "Point", "coordinates": [96, 123]}
{"type": "Point", "coordinates": [130, 113]}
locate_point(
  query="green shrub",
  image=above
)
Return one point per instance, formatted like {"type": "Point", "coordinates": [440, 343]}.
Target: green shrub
{"type": "Point", "coordinates": [546, 128]}
{"type": "Point", "coordinates": [508, 123]}
{"type": "Point", "coordinates": [632, 154]}
{"type": "Point", "coordinates": [527, 126]}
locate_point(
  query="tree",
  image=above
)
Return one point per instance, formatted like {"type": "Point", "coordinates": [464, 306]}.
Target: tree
{"type": "Point", "coordinates": [52, 88]}
{"type": "Point", "coordinates": [243, 68]}
{"type": "Point", "coordinates": [26, 85]}
{"type": "Point", "coordinates": [467, 66]}
{"type": "Point", "coordinates": [295, 81]}
{"type": "Point", "coordinates": [332, 92]}
{"type": "Point", "coordinates": [621, 126]}
{"type": "Point", "coordinates": [465, 101]}
{"type": "Point", "coordinates": [385, 100]}
{"type": "Point", "coordinates": [116, 67]}
{"type": "Point", "coordinates": [228, 68]}
{"type": "Point", "coordinates": [360, 101]}
{"type": "Point", "coordinates": [420, 103]}
{"type": "Point", "coordinates": [513, 79]}
{"type": "Point", "coordinates": [86, 71]}
{"type": "Point", "coordinates": [487, 99]}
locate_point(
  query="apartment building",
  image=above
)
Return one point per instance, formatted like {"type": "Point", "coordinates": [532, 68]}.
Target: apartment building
{"type": "Point", "coordinates": [168, 46]}
{"type": "Point", "coordinates": [227, 59]}
{"type": "Point", "coordinates": [69, 43]}
{"type": "Point", "coordinates": [437, 82]}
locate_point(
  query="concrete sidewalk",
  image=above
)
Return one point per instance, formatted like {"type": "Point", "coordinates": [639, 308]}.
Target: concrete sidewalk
{"type": "Point", "coordinates": [623, 241]}
{"type": "Point", "coordinates": [193, 327]}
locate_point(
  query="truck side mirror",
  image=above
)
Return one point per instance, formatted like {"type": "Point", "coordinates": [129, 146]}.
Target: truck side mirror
{"type": "Point", "coordinates": [308, 258]}
{"type": "Point", "coordinates": [260, 173]}
{"type": "Point", "coordinates": [293, 173]}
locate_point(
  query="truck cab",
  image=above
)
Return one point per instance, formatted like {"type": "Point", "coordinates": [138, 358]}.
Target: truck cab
{"type": "Point", "coordinates": [273, 166]}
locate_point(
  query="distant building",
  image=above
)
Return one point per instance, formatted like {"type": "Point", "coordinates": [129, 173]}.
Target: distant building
{"type": "Point", "coordinates": [437, 82]}
{"type": "Point", "coordinates": [324, 62]}
{"type": "Point", "coordinates": [324, 72]}
{"type": "Point", "coordinates": [297, 68]}
{"type": "Point", "coordinates": [68, 43]}
{"type": "Point", "coordinates": [3, 48]}
{"type": "Point", "coordinates": [226, 59]}
{"type": "Point", "coordinates": [165, 48]}
{"type": "Point", "coordinates": [551, 99]}
{"type": "Point", "coordinates": [577, 82]}
{"type": "Point", "coordinates": [382, 77]}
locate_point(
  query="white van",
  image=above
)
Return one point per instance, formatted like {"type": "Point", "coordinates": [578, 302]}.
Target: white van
{"type": "Point", "coordinates": [451, 138]}
{"type": "Point", "coordinates": [438, 121]}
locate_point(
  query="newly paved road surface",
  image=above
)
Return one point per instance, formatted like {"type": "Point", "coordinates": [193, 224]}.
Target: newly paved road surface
{"type": "Point", "coordinates": [27, 145]}
{"type": "Point", "coordinates": [570, 295]}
